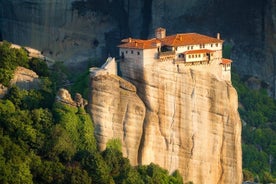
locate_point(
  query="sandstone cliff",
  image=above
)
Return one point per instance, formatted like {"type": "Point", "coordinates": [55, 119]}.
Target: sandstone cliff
{"type": "Point", "coordinates": [64, 96]}
{"type": "Point", "coordinates": [55, 28]}
{"type": "Point", "coordinates": [25, 79]}
{"type": "Point", "coordinates": [191, 121]}
{"type": "Point", "coordinates": [117, 112]}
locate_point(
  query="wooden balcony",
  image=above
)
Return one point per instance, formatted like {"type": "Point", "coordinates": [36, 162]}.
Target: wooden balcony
{"type": "Point", "coordinates": [168, 55]}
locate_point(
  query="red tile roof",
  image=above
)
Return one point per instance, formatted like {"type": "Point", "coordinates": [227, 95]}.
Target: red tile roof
{"type": "Point", "coordinates": [226, 61]}
{"type": "Point", "coordinates": [173, 40]}
{"type": "Point", "coordinates": [198, 51]}
{"type": "Point", "coordinates": [139, 44]}
{"type": "Point", "coordinates": [188, 39]}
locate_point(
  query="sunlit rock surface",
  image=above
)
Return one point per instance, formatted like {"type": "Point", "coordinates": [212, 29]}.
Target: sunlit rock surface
{"type": "Point", "coordinates": [117, 112]}
{"type": "Point", "coordinates": [191, 124]}
{"type": "Point", "coordinates": [25, 79]}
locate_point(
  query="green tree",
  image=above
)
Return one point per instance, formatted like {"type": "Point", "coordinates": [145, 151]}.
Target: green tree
{"type": "Point", "coordinates": [78, 125]}
{"type": "Point", "coordinates": [97, 168]}
{"type": "Point", "coordinates": [268, 178]}
{"type": "Point", "coordinates": [14, 167]}
{"type": "Point", "coordinates": [45, 171]}
{"type": "Point", "coordinates": [10, 58]}
{"type": "Point", "coordinates": [60, 145]}
{"type": "Point", "coordinates": [76, 175]}
{"type": "Point", "coordinates": [154, 174]}
{"type": "Point", "coordinates": [114, 144]}
{"type": "Point", "coordinates": [247, 175]}
{"type": "Point", "coordinates": [176, 178]}
{"type": "Point", "coordinates": [39, 67]}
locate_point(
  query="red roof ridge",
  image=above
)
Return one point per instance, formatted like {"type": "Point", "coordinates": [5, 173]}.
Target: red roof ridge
{"type": "Point", "coordinates": [226, 61]}
{"type": "Point", "coordinates": [179, 39]}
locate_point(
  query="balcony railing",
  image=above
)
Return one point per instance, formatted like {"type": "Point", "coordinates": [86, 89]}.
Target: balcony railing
{"type": "Point", "coordinates": [167, 53]}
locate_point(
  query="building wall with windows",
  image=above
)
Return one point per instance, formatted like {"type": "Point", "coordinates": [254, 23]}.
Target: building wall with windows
{"type": "Point", "coordinates": [209, 46]}
{"type": "Point", "coordinates": [132, 54]}
{"type": "Point", "coordinates": [143, 56]}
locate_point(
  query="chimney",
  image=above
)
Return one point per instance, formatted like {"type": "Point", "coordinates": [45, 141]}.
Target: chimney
{"type": "Point", "coordinates": [218, 36]}
{"type": "Point", "coordinates": [160, 33]}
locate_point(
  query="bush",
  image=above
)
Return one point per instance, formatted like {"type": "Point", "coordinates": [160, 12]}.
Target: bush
{"type": "Point", "coordinates": [247, 175]}
{"type": "Point", "coordinates": [114, 144]}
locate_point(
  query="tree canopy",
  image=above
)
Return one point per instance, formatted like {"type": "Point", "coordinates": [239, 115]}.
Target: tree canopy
{"type": "Point", "coordinates": [43, 141]}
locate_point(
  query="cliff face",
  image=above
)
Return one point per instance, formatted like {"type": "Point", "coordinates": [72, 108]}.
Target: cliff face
{"type": "Point", "coordinates": [76, 30]}
{"type": "Point", "coordinates": [192, 123]}
{"type": "Point", "coordinates": [189, 122]}
{"type": "Point", "coordinates": [55, 28]}
{"type": "Point", "coordinates": [117, 112]}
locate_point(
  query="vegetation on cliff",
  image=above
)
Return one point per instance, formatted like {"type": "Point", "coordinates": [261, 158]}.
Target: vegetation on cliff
{"type": "Point", "coordinates": [258, 114]}
{"type": "Point", "coordinates": [43, 141]}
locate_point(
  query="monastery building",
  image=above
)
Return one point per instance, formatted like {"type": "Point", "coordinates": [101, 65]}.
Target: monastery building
{"type": "Point", "coordinates": [186, 49]}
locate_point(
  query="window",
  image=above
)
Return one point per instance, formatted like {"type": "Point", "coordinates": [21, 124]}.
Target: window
{"type": "Point", "coordinates": [132, 52]}
{"type": "Point", "coordinates": [192, 47]}
{"type": "Point", "coordinates": [216, 44]}
{"type": "Point", "coordinates": [193, 56]}
{"type": "Point", "coordinates": [138, 53]}
{"type": "Point", "coordinates": [126, 51]}
{"type": "Point", "coordinates": [188, 47]}
{"type": "Point", "coordinates": [211, 45]}
{"type": "Point", "coordinates": [189, 56]}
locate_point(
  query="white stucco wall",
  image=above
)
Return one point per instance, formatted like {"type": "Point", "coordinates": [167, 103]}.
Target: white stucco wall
{"type": "Point", "coordinates": [149, 56]}
{"type": "Point", "coordinates": [209, 46]}
{"type": "Point", "coordinates": [132, 54]}
{"type": "Point", "coordinates": [196, 57]}
{"type": "Point", "coordinates": [145, 56]}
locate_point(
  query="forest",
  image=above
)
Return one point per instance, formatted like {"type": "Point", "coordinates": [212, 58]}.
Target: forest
{"type": "Point", "coordinates": [258, 114]}
{"type": "Point", "coordinates": [45, 141]}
